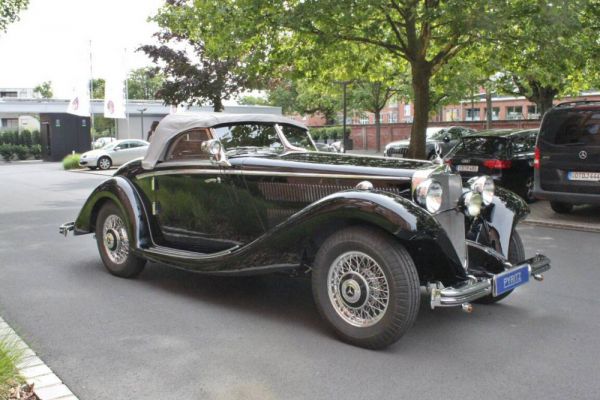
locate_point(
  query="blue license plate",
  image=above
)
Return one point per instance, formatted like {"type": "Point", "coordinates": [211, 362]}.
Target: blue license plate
{"type": "Point", "coordinates": [508, 280]}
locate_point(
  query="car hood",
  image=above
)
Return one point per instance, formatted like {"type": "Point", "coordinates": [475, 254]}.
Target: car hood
{"type": "Point", "coordinates": [93, 153]}
{"type": "Point", "coordinates": [350, 164]}
{"type": "Point", "coordinates": [406, 143]}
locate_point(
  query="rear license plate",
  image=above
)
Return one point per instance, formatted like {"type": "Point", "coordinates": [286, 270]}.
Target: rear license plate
{"type": "Point", "coordinates": [467, 168]}
{"type": "Point", "coordinates": [583, 176]}
{"type": "Point", "coordinates": [508, 280]}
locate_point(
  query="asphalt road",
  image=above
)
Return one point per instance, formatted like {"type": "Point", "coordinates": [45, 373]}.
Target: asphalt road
{"type": "Point", "coordinates": [175, 335]}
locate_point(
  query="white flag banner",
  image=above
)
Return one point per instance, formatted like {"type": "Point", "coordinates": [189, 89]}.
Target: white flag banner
{"type": "Point", "coordinates": [114, 98]}
{"type": "Point", "coordinates": [80, 102]}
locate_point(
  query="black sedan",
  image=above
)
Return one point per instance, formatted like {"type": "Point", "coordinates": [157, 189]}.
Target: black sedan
{"type": "Point", "coordinates": [505, 155]}
{"type": "Point", "coordinates": [443, 139]}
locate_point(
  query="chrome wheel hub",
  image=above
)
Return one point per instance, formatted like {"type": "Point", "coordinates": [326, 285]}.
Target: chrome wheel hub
{"type": "Point", "coordinates": [115, 239]}
{"type": "Point", "coordinates": [358, 289]}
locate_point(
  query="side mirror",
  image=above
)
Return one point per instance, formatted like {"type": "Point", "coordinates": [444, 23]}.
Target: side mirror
{"type": "Point", "coordinates": [214, 148]}
{"type": "Point", "coordinates": [117, 148]}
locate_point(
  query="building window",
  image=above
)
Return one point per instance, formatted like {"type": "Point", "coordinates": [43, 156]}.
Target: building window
{"type": "Point", "coordinates": [495, 113]}
{"type": "Point", "coordinates": [381, 118]}
{"type": "Point", "coordinates": [515, 112]}
{"type": "Point", "coordinates": [407, 110]}
{"type": "Point", "coordinates": [84, 122]}
{"type": "Point", "coordinates": [472, 114]}
{"type": "Point", "coordinates": [532, 112]}
{"type": "Point", "coordinates": [8, 94]}
{"type": "Point", "coordinates": [393, 117]}
{"type": "Point", "coordinates": [10, 123]}
{"type": "Point", "coordinates": [57, 123]}
{"type": "Point", "coordinates": [364, 119]}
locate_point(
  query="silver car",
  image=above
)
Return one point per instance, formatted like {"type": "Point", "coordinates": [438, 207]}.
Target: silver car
{"type": "Point", "coordinates": [116, 153]}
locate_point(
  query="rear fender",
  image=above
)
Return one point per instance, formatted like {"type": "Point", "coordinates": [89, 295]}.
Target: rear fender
{"type": "Point", "coordinates": [121, 192]}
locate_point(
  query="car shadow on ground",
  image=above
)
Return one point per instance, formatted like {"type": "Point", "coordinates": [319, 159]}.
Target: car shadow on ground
{"type": "Point", "coordinates": [279, 297]}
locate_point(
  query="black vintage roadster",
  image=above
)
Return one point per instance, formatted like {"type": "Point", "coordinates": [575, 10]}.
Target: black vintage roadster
{"type": "Point", "coordinates": [247, 194]}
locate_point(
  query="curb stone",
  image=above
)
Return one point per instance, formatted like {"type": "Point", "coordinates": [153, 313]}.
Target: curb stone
{"type": "Point", "coordinates": [46, 385]}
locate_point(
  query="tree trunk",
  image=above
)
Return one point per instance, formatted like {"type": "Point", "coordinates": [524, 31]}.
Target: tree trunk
{"type": "Point", "coordinates": [377, 131]}
{"type": "Point", "coordinates": [218, 104]}
{"type": "Point", "coordinates": [490, 110]}
{"type": "Point", "coordinates": [421, 75]}
{"type": "Point", "coordinates": [544, 101]}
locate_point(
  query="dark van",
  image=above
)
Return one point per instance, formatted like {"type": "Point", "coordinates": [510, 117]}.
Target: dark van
{"type": "Point", "coordinates": [567, 156]}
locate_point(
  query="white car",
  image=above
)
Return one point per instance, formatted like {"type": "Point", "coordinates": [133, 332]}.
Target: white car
{"type": "Point", "coordinates": [116, 153]}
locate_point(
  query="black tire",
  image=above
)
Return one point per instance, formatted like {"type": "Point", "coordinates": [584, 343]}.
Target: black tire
{"type": "Point", "coordinates": [130, 265]}
{"type": "Point", "coordinates": [560, 207]}
{"type": "Point", "coordinates": [104, 163]}
{"type": "Point", "coordinates": [393, 262]}
{"type": "Point", "coordinates": [527, 190]}
{"type": "Point", "coordinates": [516, 254]}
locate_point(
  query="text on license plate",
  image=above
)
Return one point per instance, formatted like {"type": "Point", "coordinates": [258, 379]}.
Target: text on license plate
{"type": "Point", "coordinates": [508, 280]}
{"type": "Point", "coordinates": [467, 168]}
{"type": "Point", "coordinates": [583, 176]}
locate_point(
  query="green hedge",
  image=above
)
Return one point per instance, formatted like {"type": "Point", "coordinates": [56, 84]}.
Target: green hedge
{"type": "Point", "coordinates": [331, 132]}
{"type": "Point", "coordinates": [71, 161]}
{"type": "Point", "coordinates": [21, 146]}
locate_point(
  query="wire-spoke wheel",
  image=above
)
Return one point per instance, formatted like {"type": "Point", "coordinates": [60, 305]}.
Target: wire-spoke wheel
{"type": "Point", "coordinates": [112, 236]}
{"type": "Point", "coordinates": [366, 286]}
{"type": "Point", "coordinates": [358, 289]}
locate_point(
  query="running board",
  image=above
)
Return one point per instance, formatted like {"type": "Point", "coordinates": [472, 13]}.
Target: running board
{"type": "Point", "coordinates": [183, 254]}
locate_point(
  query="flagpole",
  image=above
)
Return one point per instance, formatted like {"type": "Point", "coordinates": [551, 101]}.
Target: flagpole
{"type": "Point", "coordinates": [91, 94]}
{"type": "Point", "coordinates": [127, 94]}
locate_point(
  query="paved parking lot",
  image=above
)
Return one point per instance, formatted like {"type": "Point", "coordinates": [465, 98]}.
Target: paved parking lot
{"type": "Point", "coordinates": [175, 335]}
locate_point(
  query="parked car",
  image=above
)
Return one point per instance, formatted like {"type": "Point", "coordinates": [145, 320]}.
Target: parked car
{"type": "Point", "coordinates": [231, 195]}
{"type": "Point", "coordinates": [444, 138]}
{"type": "Point", "coordinates": [567, 156]}
{"type": "Point", "coordinates": [324, 147]}
{"type": "Point", "coordinates": [115, 153]}
{"type": "Point", "coordinates": [103, 141]}
{"type": "Point", "coordinates": [505, 155]}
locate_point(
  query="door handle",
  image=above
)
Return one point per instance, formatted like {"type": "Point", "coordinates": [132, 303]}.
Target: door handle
{"type": "Point", "coordinates": [213, 180]}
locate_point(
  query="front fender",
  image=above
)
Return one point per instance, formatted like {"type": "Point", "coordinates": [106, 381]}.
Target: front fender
{"type": "Point", "coordinates": [121, 192]}
{"type": "Point", "coordinates": [501, 218]}
{"type": "Point", "coordinates": [396, 215]}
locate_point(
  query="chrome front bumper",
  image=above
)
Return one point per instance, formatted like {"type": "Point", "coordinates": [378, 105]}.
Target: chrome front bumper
{"type": "Point", "coordinates": [465, 292]}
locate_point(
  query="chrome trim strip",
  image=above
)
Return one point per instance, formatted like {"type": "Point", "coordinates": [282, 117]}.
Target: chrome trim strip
{"type": "Point", "coordinates": [270, 173]}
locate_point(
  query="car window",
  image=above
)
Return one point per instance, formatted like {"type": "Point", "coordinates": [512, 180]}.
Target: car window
{"type": "Point", "coordinates": [455, 133]}
{"type": "Point", "coordinates": [492, 146]}
{"type": "Point", "coordinates": [123, 145]}
{"type": "Point", "coordinates": [523, 143]}
{"type": "Point", "coordinates": [188, 145]}
{"type": "Point", "coordinates": [572, 127]}
{"type": "Point", "coordinates": [298, 137]}
{"type": "Point", "coordinates": [245, 138]}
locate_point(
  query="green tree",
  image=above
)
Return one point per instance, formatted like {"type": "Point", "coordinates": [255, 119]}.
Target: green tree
{"type": "Point", "coordinates": [98, 86]}
{"type": "Point", "coordinates": [253, 101]}
{"type": "Point", "coordinates": [44, 89]}
{"type": "Point", "coordinates": [144, 83]}
{"type": "Point", "coordinates": [552, 51]}
{"type": "Point", "coordinates": [9, 11]}
{"type": "Point", "coordinates": [373, 97]}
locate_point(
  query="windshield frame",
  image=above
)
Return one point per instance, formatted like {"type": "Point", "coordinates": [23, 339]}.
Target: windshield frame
{"type": "Point", "coordinates": [288, 145]}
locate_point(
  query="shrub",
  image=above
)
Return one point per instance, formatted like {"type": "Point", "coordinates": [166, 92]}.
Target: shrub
{"type": "Point", "coordinates": [25, 138]}
{"type": "Point", "coordinates": [10, 137]}
{"type": "Point", "coordinates": [36, 151]}
{"type": "Point", "coordinates": [21, 151]}
{"type": "Point", "coordinates": [36, 138]}
{"type": "Point", "coordinates": [10, 356]}
{"type": "Point", "coordinates": [6, 151]}
{"type": "Point", "coordinates": [71, 161]}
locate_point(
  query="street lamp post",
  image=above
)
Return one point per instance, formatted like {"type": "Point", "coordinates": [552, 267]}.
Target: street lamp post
{"type": "Point", "coordinates": [141, 110]}
{"type": "Point", "coordinates": [346, 138]}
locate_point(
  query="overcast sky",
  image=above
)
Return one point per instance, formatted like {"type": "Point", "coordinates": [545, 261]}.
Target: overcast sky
{"type": "Point", "coordinates": [51, 41]}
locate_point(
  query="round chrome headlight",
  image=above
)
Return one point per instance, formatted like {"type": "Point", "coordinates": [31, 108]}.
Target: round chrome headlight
{"type": "Point", "coordinates": [429, 195]}
{"type": "Point", "coordinates": [472, 202]}
{"type": "Point", "coordinates": [484, 185]}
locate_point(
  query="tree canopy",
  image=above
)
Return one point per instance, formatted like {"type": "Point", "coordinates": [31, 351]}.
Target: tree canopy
{"type": "Point", "coordinates": [44, 89]}
{"type": "Point", "coordinates": [9, 11]}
